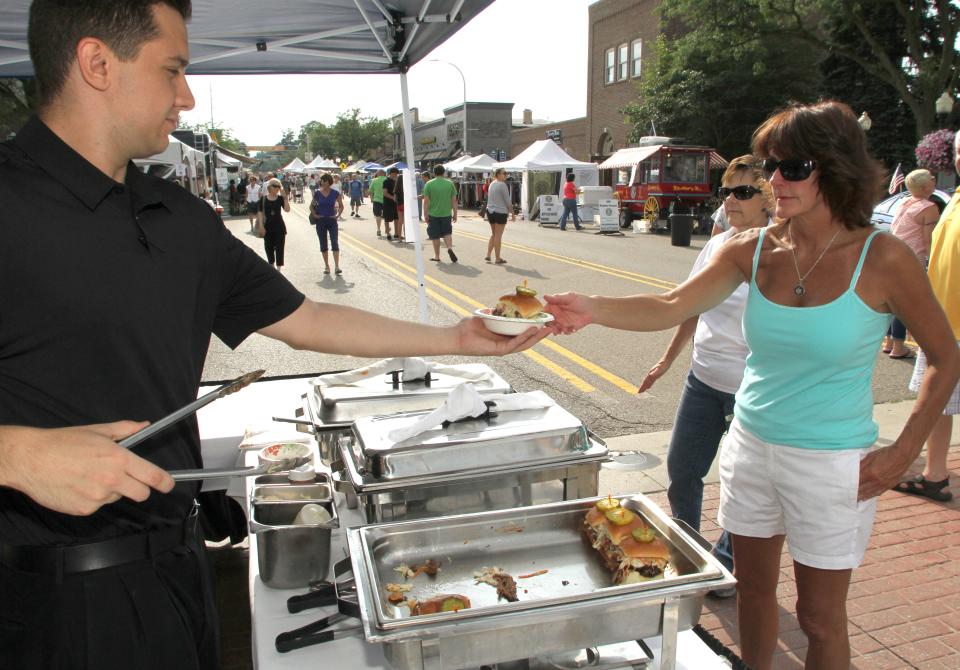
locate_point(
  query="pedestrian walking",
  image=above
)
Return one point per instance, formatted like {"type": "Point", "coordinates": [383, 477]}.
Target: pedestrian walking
{"type": "Point", "coordinates": [356, 196]}
{"type": "Point", "coordinates": [376, 197]}
{"type": "Point", "coordinates": [499, 206]}
{"type": "Point", "coordinates": [325, 209]}
{"type": "Point", "coordinates": [390, 202]}
{"type": "Point", "coordinates": [421, 180]}
{"type": "Point", "coordinates": [273, 204]}
{"type": "Point", "coordinates": [440, 205]}
{"type": "Point", "coordinates": [338, 187]}
{"type": "Point", "coordinates": [253, 201]}
{"type": "Point", "coordinates": [570, 203]}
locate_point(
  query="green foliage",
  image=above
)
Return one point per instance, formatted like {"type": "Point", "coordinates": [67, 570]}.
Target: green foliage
{"type": "Point", "coordinates": [224, 136]}
{"type": "Point", "coordinates": [724, 65]}
{"type": "Point", "coordinates": [351, 135]}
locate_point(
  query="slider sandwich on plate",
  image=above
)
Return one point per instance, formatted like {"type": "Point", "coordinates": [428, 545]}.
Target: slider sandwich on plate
{"type": "Point", "coordinates": [515, 312]}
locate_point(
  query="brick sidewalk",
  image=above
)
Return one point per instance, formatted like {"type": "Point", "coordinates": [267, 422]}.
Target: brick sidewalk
{"type": "Point", "coordinates": [904, 601]}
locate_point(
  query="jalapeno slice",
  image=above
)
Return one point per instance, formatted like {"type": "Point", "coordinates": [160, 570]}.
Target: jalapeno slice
{"type": "Point", "coordinates": [608, 503]}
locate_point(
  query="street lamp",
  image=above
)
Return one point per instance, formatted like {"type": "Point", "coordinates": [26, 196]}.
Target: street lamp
{"type": "Point", "coordinates": [464, 79]}
{"type": "Point", "coordinates": [865, 122]}
{"type": "Point", "coordinates": [943, 105]}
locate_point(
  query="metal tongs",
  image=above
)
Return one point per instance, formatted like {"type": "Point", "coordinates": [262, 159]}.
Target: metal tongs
{"type": "Point", "coordinates": [187, 410]}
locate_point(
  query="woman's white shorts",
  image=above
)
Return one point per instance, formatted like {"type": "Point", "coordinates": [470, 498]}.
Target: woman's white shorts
{"type": "Point", "coordinates": [809, 495]}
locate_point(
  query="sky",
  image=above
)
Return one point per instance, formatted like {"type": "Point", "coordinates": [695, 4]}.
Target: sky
{"type": "Point", "coordinates": [502, 57]}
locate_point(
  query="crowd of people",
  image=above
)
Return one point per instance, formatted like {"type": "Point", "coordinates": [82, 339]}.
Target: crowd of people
{"type": "Point", "coordinates": [786, 310]}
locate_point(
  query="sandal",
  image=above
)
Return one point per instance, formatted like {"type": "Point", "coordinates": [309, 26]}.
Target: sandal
{"type": "Point", "coordinates": [486, 258]}
{"type": "Point", "coordinates": [327, 271]}
{"type": "Point", "coordinates": [501, 261]}
{"type": "Point", "coordinates": [905, 357]}
{"type": "Point", "coordinates": [921, 486]}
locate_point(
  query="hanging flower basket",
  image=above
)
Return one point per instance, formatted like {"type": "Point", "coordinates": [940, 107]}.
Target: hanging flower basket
{"type": "Point", "coordinates": [935, 151]}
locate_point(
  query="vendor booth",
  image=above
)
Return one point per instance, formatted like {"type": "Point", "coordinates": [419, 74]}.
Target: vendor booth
{"type": "Point", "coordinates": [543, 166]}
{"type": "Point", "coordinates": [321, 164]}
{"type": "Point", "coordinates": [178, 162]}
{"type": "Point", "coordinates": [296, 166]}
{"type": "Point", "coordinates": [517, 499]}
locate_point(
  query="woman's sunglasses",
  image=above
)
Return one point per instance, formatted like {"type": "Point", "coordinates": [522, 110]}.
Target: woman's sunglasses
{"type": "Point", "coordinates": [791, 169]}
{"type": "Point", "coordinates": [738, 192]}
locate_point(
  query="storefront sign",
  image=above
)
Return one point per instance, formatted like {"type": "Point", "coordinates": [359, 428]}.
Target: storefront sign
{"type": "Point", "coordinates": [556, 135]}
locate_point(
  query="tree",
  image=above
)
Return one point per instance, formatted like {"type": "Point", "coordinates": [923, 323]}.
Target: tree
{"type": "Point", "coordinates": [919, 67]}
{"type": "Point", "coordinates": [715, 88]}
{"type": "Point", "coordinates": [317, 138]}
{"type": "Point", "coordinates": [224, 136]}
{"type": "Point", "coordinates": [358, 137]}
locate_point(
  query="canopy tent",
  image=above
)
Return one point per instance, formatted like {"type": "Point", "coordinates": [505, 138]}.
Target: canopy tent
{"type": "Point", "coordinates": [224, 159]}
{"type": "Point", "coordinates": [454, 165]}
{"type": "Point", "coordinates": [308, 36]}
{"type": "Point", "coordinates": [545, 156]}
{"type": "Point", "coordinates": [296, 166]}
{"type": "Point", "coordinates": [321, 163]}
{"type": "Point", "coordinates": [400, 165]}
{"type": "Point", "coordinates": [372, 167]}
{"type": "Point", "coordinates": [481, 163]}
{"type": "Point", "coordinates": [355, 168]}
{"type": "Point", "coordinates": [178, 153]}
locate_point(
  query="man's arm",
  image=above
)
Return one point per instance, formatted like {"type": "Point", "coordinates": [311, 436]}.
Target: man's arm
{"type": "Point", "coordinates": [453, 205]}
{"type": "Point", "coordinates": [77, 470]}
{"type": "Point", "coordinates": [308, 328]}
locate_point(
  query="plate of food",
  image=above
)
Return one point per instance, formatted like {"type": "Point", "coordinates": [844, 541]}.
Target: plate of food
{"type": "Point", "coordinates": [515, 312]}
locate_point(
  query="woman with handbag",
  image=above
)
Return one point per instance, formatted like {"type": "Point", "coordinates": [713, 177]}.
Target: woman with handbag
{"type": "Point", "coordinates": [324, 212]}
{"type": "Point", "coordinates": [272, 206]}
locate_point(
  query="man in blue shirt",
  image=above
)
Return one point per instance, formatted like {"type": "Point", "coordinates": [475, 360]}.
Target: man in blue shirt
{"type": "Point", "coordinates": [356, 196]}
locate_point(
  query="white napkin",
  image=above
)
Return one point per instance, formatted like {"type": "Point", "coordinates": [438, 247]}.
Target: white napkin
{"type": "Point", "coordinates": [464, 401]}
{"type": "Point", "coordinates": [413, 368]}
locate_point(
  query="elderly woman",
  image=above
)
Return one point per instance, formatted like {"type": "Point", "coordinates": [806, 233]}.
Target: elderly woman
{"type": "Point", "coordinates": [797, 464]}
{"type": "Point", "coordinates": [913, 224]}
{"type": "Point", "coordinates": [719, 357]}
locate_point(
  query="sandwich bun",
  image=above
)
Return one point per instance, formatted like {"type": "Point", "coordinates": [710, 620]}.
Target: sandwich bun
{"type": "Point", "coordinates": [518, 306]}
{"type": "Point", "coordinates": [655, 550]}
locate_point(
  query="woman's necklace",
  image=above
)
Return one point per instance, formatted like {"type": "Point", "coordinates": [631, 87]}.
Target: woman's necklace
{"type": "Point", "coordinates": [799, 288]}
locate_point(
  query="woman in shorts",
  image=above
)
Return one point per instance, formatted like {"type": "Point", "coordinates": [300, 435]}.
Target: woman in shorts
{"type": "Point", "coordinates": [499, 206]}
{"type": "Point", "coordinates": [798, 463]}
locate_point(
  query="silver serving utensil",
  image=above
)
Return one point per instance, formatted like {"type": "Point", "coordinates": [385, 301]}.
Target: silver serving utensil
{"type": "Point", "coordinates": [185, 411]}
{"type": "Point", "coordinates": [218, 473]}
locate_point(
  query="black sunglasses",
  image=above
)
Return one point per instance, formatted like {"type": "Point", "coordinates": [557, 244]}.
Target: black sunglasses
{"type": "Point", "coordinates": [739, 192]}
{"type": "Point", "coordinates": [791, 169]}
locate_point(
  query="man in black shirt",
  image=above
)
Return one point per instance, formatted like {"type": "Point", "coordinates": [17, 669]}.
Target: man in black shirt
{"type": "Point", "coordinates": [113, 284]}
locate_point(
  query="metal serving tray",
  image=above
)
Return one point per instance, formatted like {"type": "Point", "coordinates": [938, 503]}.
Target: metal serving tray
{"type": "Point", "coordinates": [341, 405]}
{"type": "Point", "coordinates": [573, 605]}
{"type": "Point", "coordinates": [508, 439]}
{"type": "Point", "coordinates": [278, 489]}
{"type": "Point", "coordinates": [332, 409]}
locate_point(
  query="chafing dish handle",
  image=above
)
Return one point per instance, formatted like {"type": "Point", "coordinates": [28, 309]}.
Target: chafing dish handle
{"type": "Point", "coordinates": [694, 535]}
{"type": "Point", "coordinates": [314, 633]}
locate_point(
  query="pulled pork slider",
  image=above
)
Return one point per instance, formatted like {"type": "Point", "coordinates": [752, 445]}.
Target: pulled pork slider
{"type": "Point", "coordinates": [520, 305]}
{"type": "Point", "coordinates": [629, 548]}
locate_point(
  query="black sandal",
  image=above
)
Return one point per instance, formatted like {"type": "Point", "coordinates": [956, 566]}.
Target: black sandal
{"type": "Point", "coordinates": [921, 486]}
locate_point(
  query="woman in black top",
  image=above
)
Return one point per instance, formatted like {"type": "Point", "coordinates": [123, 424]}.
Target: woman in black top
{"type": "Point", "coordinates": [274, 203]}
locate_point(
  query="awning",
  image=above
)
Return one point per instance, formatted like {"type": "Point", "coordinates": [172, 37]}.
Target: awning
{"type": "Point", "coordinates": [307, 36]}
{"type": "Point", "coordinates": [246, 160]}
{"type": "Point", "coordinates": [227, 160]}
{"type": "Point", "coordinates": [718, 161]}
{"type": "Point", "coordinates": [627, 158]}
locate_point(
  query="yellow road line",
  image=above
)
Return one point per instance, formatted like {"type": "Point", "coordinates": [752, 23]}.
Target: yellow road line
{"type": "Point", "coordinates": [616, 272]}
{"type": "Point", "coordinates": [613, 379]}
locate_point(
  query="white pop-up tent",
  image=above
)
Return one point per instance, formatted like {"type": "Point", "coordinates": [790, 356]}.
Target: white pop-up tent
{"type": "Point", "coordinates": [321, 163]}
{"type": "Point", "coordinates": [454, 165]}
{"type": "Point", "coordinates": [190, 161]}
{"type": "Point", "coordinates": [296, 166]}
{"type": "Point", "coordinates": [542, 164]}
{"type": "Point", "coordinates": [308, 36]}
{"type": "Point", "coordinates": [482, 163]}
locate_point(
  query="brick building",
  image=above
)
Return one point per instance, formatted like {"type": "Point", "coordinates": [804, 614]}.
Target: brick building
{"type": "Point", "coordinates": [569, 134]}
{"type": "Point", "coordinates": [623, 35]}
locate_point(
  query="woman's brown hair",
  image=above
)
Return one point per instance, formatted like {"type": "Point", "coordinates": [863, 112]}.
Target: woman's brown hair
{"type": "Point", "coordinates": [850, 179]}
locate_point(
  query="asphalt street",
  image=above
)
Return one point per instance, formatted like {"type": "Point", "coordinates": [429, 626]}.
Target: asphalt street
{"type": "Point", "coordinates": [593, 373]}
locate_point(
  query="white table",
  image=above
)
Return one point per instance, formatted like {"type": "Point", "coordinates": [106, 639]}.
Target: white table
{"type": "Point", "coordinates": [222, 425]}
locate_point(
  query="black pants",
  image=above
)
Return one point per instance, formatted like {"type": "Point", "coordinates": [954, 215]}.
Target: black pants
{"type": "Point", "coordinates": [147, 615]}
{"type": "Point", "coordinates": [273, 244]}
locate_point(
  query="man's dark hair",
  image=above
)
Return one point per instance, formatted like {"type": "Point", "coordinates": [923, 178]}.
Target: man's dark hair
{"type": "Point", "coordinates": [56, 26]}
{"type": "Point", "coordinates": [438, 171]}
{"type": "Point", "coordinates": [393, 170]}
{"type": "Point", "coordinates": [571, 177]}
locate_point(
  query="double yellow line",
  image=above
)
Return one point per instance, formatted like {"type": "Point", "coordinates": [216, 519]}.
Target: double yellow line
{"type": "Point", "coordinates": [408, 275]}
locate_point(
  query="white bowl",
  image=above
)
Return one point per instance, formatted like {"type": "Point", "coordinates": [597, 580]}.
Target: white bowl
{"type": "Point", "coordinates": [284, 452]}
{"type": "Point", "coordinates": [504, 325]}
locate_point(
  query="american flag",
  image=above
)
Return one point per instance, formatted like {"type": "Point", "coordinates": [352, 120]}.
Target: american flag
{"type": "Point", "coordinates": [896, 181]}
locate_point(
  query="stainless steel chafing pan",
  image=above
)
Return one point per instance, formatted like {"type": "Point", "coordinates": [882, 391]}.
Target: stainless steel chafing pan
{"type": "Point", "coordinates": [571, 606]}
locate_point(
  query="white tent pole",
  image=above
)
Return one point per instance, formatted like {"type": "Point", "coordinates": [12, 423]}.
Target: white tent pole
{"type": "Point", "coordinates": [410, 197]}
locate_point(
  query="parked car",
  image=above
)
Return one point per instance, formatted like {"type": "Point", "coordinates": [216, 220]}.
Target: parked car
{"type": "Point", "coordinates": [884, 212]}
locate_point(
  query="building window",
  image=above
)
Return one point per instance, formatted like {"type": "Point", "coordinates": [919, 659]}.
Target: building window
{"type": "Point", "coordinates": [623, 63]}
{"type": "Point", "coordinates": [611, 66]}
{"type": "Point", "coordinates": [636, 52]}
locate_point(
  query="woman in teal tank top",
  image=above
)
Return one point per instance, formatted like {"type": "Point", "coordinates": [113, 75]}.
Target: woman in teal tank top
{"type": "Point", "coordinates": [798, 464]}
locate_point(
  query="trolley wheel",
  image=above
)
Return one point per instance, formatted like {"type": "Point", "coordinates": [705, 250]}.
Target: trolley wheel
{"type": "Point", "coordinates": [626, 217]}
{"type": "Point", "coordinates": [651, 210]}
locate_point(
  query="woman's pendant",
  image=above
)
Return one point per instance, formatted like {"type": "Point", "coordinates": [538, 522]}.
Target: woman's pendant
{"type": "Point", "coordinates": [799, 290]}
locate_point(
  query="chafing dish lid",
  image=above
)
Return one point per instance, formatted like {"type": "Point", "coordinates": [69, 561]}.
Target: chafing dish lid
{"type": "Point", "coordinates": [514, 438]}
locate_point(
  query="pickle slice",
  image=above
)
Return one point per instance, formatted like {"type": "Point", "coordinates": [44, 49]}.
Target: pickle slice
{"type": "Point", "coordinates": [644, 534]}
{"type": "Point", "coordinates": [608, 503]}
{"type": "Point", "coordinates": [620, 516]}
{"type": "Point", "coordinates": [529, 292]}
{"type": "Point", "coordinates": [452, 605]}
